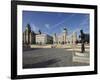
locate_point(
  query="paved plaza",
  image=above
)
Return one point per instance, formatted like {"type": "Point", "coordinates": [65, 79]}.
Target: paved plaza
{"type": "Point", "coordinates": [48, 57]}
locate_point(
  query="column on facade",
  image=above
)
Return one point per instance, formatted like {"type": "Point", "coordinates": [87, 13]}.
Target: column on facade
{"type": "Point", "coordinates": [74, 37]}
{"type": "Point", "coordinates": [55, 38]}
{"type": "Point", "coordinates": [30, 38]}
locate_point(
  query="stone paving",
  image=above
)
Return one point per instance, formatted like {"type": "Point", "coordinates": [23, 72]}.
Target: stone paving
{"type": "Point", "coordinates": [48, 57]}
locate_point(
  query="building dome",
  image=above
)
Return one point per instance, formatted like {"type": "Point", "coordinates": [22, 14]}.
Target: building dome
{"type": "Point", "coordinates": [28, 27]}
{"type": "Point", "coordinates": [64, 30]}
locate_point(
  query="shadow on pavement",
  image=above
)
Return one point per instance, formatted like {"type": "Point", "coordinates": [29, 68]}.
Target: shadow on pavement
{"type": "Point", "coordinates": [41, 64]}
{"type": "Point", "coordinates": [29, 49]}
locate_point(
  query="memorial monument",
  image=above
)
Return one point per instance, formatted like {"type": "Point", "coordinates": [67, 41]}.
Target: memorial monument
{"type": "Point", "coordinates": [82, 36]}
{"type": "Point", "coordinates": [82, 56]}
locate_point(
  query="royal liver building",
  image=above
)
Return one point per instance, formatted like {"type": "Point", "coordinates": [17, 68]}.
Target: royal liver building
{"type": "Point", "coordinates": [28, 35]}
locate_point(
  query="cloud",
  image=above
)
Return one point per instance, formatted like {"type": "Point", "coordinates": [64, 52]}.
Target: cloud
{"type": "Point", "coordinates": [84, 25]}
{"type": "Point", "coordinates": [65, 20]}
{"type": "Point", "coordinates": [47, 26]}
{"type": "Point", "coordinates": [84, 22]}
{"type": "Point", "coordinates": [23, 28]}
{"type": "Point", "coordinates": [34, 28]}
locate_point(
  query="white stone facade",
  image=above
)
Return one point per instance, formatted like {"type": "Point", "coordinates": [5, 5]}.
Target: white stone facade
{"type": "Point", "coordinates": [28, 36]}
{"type": "Point", "coordinates": [64, 38]}
{"type": "Point", "coordinates": [43, 39]}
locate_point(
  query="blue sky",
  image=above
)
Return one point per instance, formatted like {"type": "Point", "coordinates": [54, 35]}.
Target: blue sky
{"type": "Point", "coordinates": [54, 22]}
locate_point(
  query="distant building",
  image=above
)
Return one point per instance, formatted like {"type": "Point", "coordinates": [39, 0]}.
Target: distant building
{"type": "Point", "coordinates": [55, 40]}
{"type": "Point", "coordinates": [28, 36]}
{"type": "Point", "coordinates": [64, 38]}
{"type": "Point", "coordinates": [60, 39]}
{"type": "Point", "coordinates": [74, 37]}
{"type": "Point", "coordinates": [44, 39]}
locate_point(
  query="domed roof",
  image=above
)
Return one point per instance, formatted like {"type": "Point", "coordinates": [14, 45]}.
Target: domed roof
{"type": "Point", "coordinates": [65, 28]}
{"type": "Point", "coordinates": [28, 27]}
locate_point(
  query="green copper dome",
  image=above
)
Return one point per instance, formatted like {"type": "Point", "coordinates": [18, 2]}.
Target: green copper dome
{"type": "Point", "coordinates": [28, 27]}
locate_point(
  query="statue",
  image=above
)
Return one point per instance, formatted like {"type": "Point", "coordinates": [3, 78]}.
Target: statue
{"type": "Point", "coordinates": [82, 36]}
{"type": "Point", "coordinates": [39, 31]}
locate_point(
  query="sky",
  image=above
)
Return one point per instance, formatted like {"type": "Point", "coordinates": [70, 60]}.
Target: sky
{"type": "Point", "coordinates": [54, 22]}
